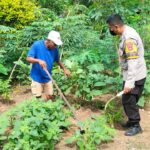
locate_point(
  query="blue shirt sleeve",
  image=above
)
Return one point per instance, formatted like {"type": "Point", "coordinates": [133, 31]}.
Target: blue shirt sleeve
{"type": "Point", "coordinates": [32, 50]}
{"type": "Point", "coordinates": [57, 58]}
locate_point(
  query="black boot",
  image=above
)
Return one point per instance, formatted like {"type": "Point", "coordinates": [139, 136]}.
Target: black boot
{"type": "Point", "coordinates": [134, 130]}
{"type": "Point", "coordinates": [127, 125]}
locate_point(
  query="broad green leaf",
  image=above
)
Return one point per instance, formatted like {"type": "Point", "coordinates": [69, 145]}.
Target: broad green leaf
{"type": "Point", "coordinates": [3, 69]}
{"type": "Point", "coordinates": [141, 102]}
{"type": "Point", "coordinates": [97, 84]}
{"type": "Point", "coordinates": [96, 92]}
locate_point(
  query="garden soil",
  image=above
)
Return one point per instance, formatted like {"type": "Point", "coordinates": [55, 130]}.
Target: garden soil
{"type": "Point", "coordinates": [120, 142]}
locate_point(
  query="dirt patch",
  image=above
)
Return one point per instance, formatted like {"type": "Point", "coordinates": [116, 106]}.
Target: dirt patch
{"type": "Point", "coordinates": [138, 142]}
{"type": "Point", "coordinates": [19, 94]}
{"type": "Point", "coordinates": [103, 98]}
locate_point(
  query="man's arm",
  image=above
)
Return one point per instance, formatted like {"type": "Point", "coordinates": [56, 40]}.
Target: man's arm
{"type": "Point", "coordinates": [39, 61]}
{"type": "Point", "coordinates": [131, 51]}
{"type": "Point", "coordinates": [66, 71]}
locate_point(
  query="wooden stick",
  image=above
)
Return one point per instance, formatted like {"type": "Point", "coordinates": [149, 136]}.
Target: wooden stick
{"type": "Point", "coordinates": [15, 67]}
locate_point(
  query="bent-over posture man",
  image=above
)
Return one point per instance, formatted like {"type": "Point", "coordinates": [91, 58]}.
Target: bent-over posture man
{"type": "Point", "coordinates": [43, 54]}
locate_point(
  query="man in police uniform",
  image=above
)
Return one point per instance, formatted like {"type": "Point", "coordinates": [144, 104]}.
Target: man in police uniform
{"type": "Point", "coordinates": [131, 59]}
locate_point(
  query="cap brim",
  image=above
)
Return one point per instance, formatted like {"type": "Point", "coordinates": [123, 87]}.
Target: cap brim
{"type": "Point", "coordinates": [58, 42]}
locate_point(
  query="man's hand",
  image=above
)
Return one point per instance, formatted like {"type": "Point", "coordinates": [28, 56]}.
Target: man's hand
{"type": "Point", "coordinates": [39, 61]}
{"type": "Point", "coordinates": [126, 90]}
{"type": "Point", "coordinates": [67, 72]}
{"type": "Point", "coordinates": [42, 64]}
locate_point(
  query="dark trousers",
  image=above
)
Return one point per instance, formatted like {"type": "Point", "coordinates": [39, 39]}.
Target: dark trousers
{"type": "Point", "coordinates": [130, 100]}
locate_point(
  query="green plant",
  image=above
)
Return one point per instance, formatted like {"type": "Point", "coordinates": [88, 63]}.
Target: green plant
{"type": "Point", "coordinates": [16, 13]}
{"type": "Point", "coordinates": [132, 12]}
{"type": "Point", "coordinates": [96, 132]}
{"type": "Point", "coordinates": [56, 6]}
{"type": "Point", "coordinates": [23, 71]}
{"type": "Point", "coordinates": [146, 92]}
{"type": "Point", "coordinates": [94, 63]}
{"type": "Point", "coordinates": [3, 70]}
{"type": "Point", "coordinates": [76, 9]}
{"type": "Point", "coordinates": [114, 112]}
{"type": "Point", "coordinates": [47, 14]}
{"type": "Point", "coordinates": [5, 90]}
{"type": "Point", "coordinates": [141, 102]}
{"type": "Point", "coordinates": [84, 2]}
{"type": "Point", "coordinates": [34, 125]}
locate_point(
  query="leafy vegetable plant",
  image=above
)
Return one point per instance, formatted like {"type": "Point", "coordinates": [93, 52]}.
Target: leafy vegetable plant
{"type": "Point", "coordinates": [96, 132]}
{"type": "Point", "coordinates": [34, 125]}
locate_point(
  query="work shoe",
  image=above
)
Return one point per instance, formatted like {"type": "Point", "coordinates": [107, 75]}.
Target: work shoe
{"type": "Point", "coordinates": [127, 125]}
{"type": "Point", "coordinates": [133, 130]}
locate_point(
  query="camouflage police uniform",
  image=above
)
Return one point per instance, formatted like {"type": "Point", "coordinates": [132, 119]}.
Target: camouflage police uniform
{"type": "Point", "coordinates": [131, 58]}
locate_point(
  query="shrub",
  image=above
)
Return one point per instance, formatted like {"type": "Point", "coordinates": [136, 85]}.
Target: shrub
{"type": "Point", "coordinates": [56, 6]}
{"type": "Point", "coordinates": [16, 13]}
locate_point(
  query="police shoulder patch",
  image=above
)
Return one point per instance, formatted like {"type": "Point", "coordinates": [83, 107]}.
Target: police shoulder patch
{"type": "Point", "coordinates": [130, 46]}
{"type": "Point", "coordinates": [131, 49]}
